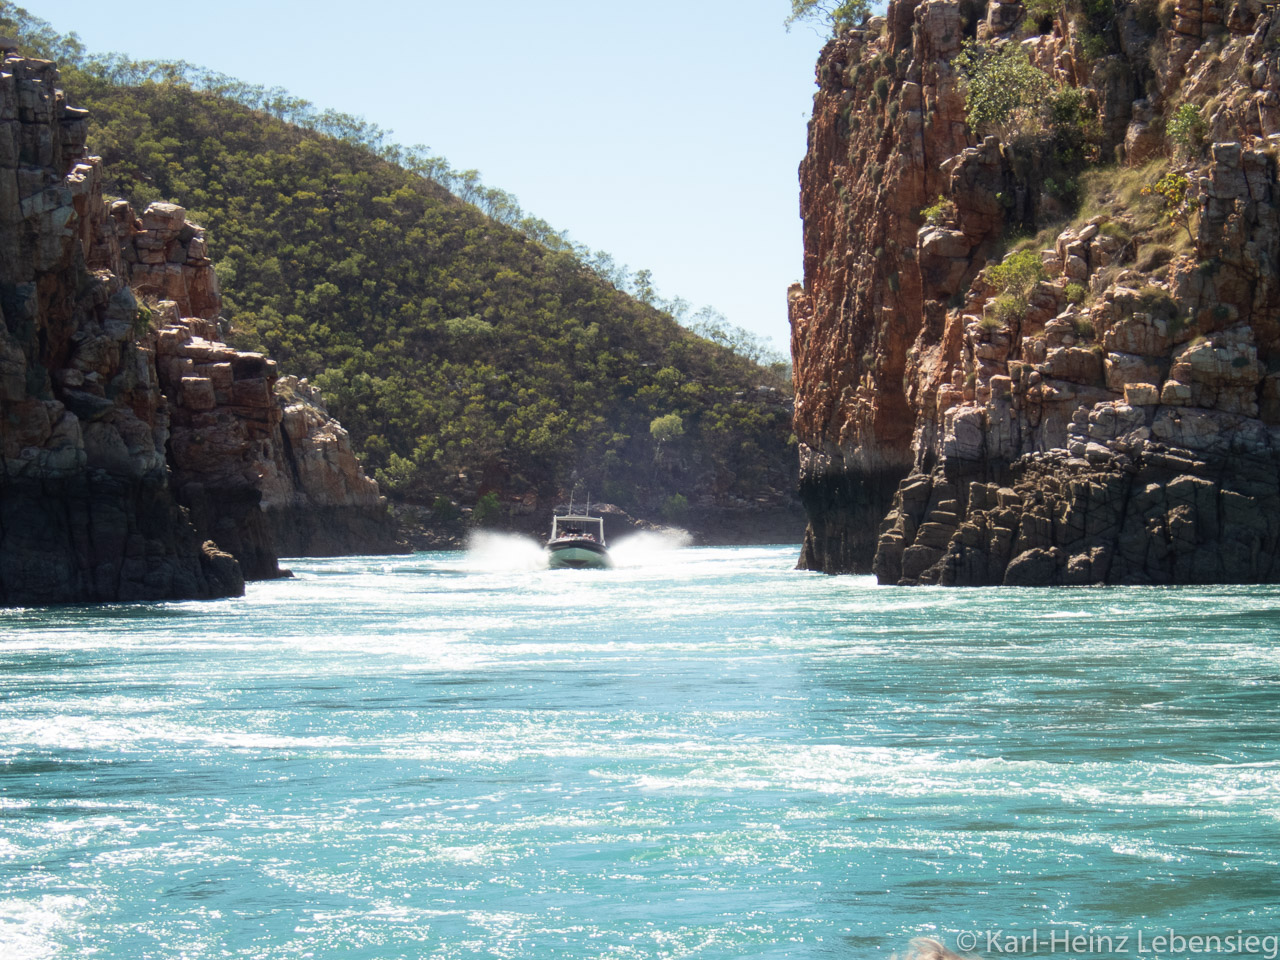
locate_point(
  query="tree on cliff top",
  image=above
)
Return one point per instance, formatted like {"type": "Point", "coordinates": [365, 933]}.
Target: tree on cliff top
{"type": "Point", "coordinates": [838, 14]}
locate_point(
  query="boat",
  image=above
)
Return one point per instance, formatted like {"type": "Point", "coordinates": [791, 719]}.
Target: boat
{"type": "Point", "coordinates": [577, 542]}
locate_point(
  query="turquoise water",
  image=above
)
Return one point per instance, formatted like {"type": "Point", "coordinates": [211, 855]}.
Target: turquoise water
{"type": "Point", "coordinates": [700, 754]}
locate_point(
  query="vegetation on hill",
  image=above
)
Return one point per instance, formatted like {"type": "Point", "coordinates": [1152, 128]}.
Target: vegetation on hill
{"type": "Point", "coordinates": [465, 353]}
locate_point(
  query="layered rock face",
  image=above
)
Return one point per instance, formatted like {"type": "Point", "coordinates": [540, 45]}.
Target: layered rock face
{"type": "Point", "coordinates": [256, 459]}
{"type": "Point", "coordinates": [1125, 430]}
{"type": "Point", "coordinates": [143, 458]}
{"type": "Point", "coordinates": [86, 512]}
{"type": "Point", "coordinates": [319, 502]}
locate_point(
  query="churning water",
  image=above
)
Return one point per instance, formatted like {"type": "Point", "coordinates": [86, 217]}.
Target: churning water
{"type": "Point", "coordinates": [701, 753]}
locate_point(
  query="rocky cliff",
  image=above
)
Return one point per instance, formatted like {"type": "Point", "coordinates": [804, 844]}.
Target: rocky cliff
{"type": "Point", "coordinates": [1117, 418]}
{"type": "Point", "coordinates": [143, 457]}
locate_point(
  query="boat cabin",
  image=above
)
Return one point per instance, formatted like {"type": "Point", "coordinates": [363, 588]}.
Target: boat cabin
{"type": "Point", "coordinates": [578, 526]}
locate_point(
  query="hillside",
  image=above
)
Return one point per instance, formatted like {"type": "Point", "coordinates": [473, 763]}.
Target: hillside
{"type": "Point", "coordinates": [1038, 340]}
{"type": "Point", "coordinates": [462, 356]}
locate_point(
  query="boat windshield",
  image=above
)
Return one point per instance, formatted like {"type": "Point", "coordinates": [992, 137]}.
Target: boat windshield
{"type": "Point", "coordinates": [588, 528]}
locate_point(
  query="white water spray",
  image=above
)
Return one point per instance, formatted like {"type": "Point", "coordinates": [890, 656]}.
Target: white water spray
{"type": "Point", "coordinates": [649, 547]}
{"type": "Point", "coordinates": [488, 551]}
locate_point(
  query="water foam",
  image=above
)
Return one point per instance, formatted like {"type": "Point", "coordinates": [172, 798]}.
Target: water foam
{"type": "Point", "coordinates": [650, 547]}
{"type": "Point", "coordinates": [509, 552]}
{"type": "Point", "coordinates": [701, 753]}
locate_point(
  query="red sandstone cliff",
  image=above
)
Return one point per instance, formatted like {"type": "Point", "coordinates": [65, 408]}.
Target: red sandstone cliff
{"type": "Point", "coordinates": [143, 458]}
{"type": "Point", "coordinates": [866, 299]}
{"type": "Point", "coordinates": [1130, 436]}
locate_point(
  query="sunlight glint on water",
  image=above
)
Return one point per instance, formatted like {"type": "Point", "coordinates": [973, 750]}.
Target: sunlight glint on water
{"type": "Point", "coordinates": [701, 753]}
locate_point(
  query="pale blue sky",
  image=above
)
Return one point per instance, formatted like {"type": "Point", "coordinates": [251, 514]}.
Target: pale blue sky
{"type": "Point", "coordinates": [667, 133]}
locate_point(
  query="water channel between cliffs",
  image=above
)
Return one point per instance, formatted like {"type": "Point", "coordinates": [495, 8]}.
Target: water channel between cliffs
{"type": "Point", "coordinates": [702, 753]}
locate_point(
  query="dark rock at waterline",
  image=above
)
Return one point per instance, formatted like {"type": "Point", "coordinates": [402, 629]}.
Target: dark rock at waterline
{"type": "Point", "coordinates": [97, 537]}
{"type": "Point", "coordinates": [1156, 516]}
{"type": "Point", "coordinates": [844, 505]}
{"type": "Point", "coordinates": [334, 531]}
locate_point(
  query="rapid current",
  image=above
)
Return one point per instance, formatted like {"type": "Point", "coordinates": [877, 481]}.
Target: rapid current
{"type": "Point", "coordinates": [701, 753]}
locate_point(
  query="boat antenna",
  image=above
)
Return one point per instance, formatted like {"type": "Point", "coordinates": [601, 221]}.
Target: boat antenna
{"type": "Point", "coordinates": [588, 510]}
{"type": "Point", "coordinates": [570, 501]}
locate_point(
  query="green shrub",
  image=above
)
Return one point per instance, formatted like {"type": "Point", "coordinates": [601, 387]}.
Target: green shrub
{"type": "Point", "coordinates": [444, 511]}
{"type": "Point", "coordinates": [1042, 10]}
{"type": "Point", "coordinates": [1076, 293]}
{"type": "Point", "coordinates": [1004, 91]}
{"type": "Point", "coordinates": [487, 510]}
{"type": "Point", "coordinates": [1018, 275]}
{"type": "Point", "coordinates": [143, 320]}
{"type": "Point", "coordinates": [1083, 328]}
{"type": "Point", "coordinates": [1067, 190]}
{"type": "Point", "coordinates": [667, 427]}
{"type": "Point", "coordinates": [1094, 46]}
{"type": "Point", "coordinates": [1007, 309]}
{"type": "Point", "coordinates": [881, 88]}
{"type": "Point", "coordinates": [1187, 128]}
{"type": "Point", "coordinates": [399, 476]}
{"type": "Point", "coordinates": [1074, 129]}
{"type": "Point", "coordinates": [1179, 206]}
{"type": "Point", "coordinates": [1069, 110]}
{"type": "Point", "coordinates": [939, 213]}
{"type": "Point", "coordinates": [675, 508]}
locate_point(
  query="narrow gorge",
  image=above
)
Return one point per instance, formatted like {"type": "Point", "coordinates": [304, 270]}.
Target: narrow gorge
{"type": "Point", "coordinates": [1052, 358]}
{"type": "Point", "coordinates": [143, 458]}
